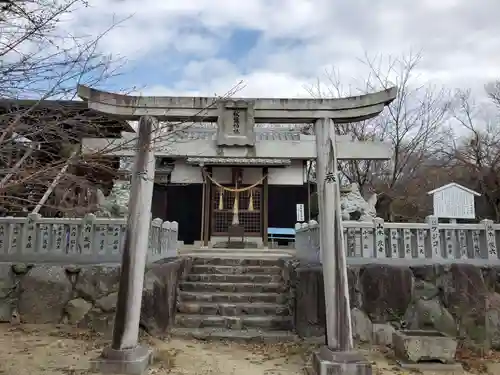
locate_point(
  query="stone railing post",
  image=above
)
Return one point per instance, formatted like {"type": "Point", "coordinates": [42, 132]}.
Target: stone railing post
{"type": "Point", "coordinates": [30, 231]}
{"type": "Point", "coordinates": [434, 237]}
{"type": "Point", "coordinates": [302, 241]}
{"type": "Point", "coordinates": [314, 241]}
{"type": "Point", "coordinates": [379, 228]}
{"type": "Point", "coordinates": [174, 239]}
{"type": "Point", "coordinates": [490, 240]}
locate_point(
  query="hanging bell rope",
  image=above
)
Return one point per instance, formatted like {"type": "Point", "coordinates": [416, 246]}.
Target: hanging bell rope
{"type": "Point", "coordinates": [221, 199]}
{"type": "Point", "coordinates": [235, 190]}
{"type": "Point", "coordinates": [250, 203]}
{"type": "Point", "coordinates": [236, 219]}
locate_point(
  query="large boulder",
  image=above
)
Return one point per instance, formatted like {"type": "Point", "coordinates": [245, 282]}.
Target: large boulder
{"type": "Point", "coordinates": [430, 315]}
{"type": "Point", "coordinates": [8, 292]}
{"type": "Point", "coordinates": [309, 301]}
{"type": "Point", "coordinates": [108, 303]}
{"type": "Point", "coordinates": [159, 299]}
{"type": "Point", "coordinates": [491, 276]}
{"type": "Point", "coordinates": [425, 290]}
{"type": "Point", "coordinates": [76, 309]}
{"type": "Point", "coordinates": [95, 282]}
{"type": "Point", "coordinates": [44, 293]}
{"type": "Point", "coordinates": [429, 272]}
{"type": "Point", "coordinates": [492, 327]}
{"type": "Point", "coordinates": [386, 292]}
{"type": "Point", "coordinates": [355, 298]}
{"type": "Point", "coordinates": [382, 334]}
{"type": "Point", "coordinates": [99, 322]}
{"type": "Point", "coordinates": [464, 294]}
{"type": "Point", "coordinates": [362, 328]}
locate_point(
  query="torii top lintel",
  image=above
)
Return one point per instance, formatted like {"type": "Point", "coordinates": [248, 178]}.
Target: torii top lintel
{"type": "Point", "coordinates": [265, 110]}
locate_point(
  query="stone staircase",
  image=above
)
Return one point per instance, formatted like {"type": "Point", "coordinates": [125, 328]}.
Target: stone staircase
{"type": "Point", "coordinates": [234, 298]}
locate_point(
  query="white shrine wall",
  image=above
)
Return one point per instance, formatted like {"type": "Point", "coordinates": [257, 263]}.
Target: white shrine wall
{"type": "Point", "coordinates": [184, 173]}
{"type": "Point", "coordinates": [291, 175]}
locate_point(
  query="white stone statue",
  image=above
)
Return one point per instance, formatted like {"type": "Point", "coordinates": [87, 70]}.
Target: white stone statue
{"type": "Point", "coordinates": [116, 204]}
{"type": "Point", "coordinates": [354, 206]}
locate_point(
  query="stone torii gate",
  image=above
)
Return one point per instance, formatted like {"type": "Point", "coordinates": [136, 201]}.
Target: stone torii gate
{"type": "Point", "coordinates": [236, 119]}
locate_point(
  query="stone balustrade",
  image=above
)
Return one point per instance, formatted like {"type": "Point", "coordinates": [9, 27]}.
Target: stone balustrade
{"type": "Point", "coordinates": [403, 243]}
{"type": "Point", "coordinates": [87, 240]}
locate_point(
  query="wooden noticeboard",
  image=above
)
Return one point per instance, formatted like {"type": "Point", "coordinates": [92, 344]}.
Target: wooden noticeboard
{"type": "Point", "coordinates": [453, 201]}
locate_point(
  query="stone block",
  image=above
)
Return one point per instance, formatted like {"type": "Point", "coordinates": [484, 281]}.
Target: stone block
{"type": "Point", "coordinates": [126, 362]}
{"type": "Point", "coordinates": [108, 303]}
{"type": "Point", "coordinates": [76, 309]}
{"type": "Point", "coordinates": [330, 362]}
{"type": "Point", "coordinates": [430, 315]}
{"type": "Point", "coordinates": [362, 328]}
{"type": "Point", "coordinates": [159, 297]}
{"type": "Point", "coordinates": [309, 302]}
{"type": "Point", "coordinates": [421, 346]}
{"type": "Point", "coordinates": [44, 293]}
{"type": "Point", "coordinates": [98, 321]}
{"type": "Point", "coordinates": [382, 334]}
{"type": "Point", "coordinates": [465, 295]}
{"type": "Point", "coordinates": [386, 292]}
{"type": "Point", "coordinates": [95, 282]}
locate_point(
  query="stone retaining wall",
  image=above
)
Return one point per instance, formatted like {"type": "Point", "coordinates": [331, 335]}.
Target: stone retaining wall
{"type": "Point", "coordinates": [86, 295]}
{"type": "Point", "coordinates": [461, 300]}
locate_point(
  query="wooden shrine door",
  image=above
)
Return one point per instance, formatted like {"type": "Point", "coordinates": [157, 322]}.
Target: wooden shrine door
{"type": "Point", "coordinates": [250, 218]}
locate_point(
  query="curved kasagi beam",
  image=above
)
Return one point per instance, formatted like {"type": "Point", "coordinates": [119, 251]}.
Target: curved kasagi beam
{"type": "Point", "coordinates": [349, 109]}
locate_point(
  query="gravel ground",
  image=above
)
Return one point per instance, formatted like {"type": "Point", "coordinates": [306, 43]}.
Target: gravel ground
{"type": "Point", "coordinates": [62, 350]}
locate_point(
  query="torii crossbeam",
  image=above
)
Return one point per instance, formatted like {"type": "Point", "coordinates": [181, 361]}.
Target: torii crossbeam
{"type": "Point", "coordinates": [337, 357]}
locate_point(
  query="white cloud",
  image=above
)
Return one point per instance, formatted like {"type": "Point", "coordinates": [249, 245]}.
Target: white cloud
{"type": "Point", "coordinates": [460, 40]}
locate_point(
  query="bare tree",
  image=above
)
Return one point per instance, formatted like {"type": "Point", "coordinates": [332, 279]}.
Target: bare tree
{"type": "Point", "coordinates": [475, 150]}
{"type": "Point", "coordinates": [493, 91]}
{"type": "Point", "coordinates": [412, 124]}
{"type": "Point", "coordinates": [40, 61]}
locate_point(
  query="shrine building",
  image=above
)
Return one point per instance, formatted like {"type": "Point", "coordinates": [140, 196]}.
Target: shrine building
{"type": "Point", "coordinates": [237, 173]}
{"type": "Point", "coordinates": [213, 185]}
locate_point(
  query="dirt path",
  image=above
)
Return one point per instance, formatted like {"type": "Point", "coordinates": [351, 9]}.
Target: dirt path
{"type": "Point", "coordinates": [51, 350]}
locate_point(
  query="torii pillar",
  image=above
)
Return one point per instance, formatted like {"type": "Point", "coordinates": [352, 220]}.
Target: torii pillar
{"type": "Point", "coordinates": [337, 356]}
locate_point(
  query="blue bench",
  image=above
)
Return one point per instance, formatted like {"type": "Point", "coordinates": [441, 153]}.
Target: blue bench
{"type": "Point", "coordinates": [280, 234]}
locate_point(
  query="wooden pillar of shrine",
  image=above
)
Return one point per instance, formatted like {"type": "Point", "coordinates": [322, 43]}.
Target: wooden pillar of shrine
{"type": "Point", "coordinates": [125, 355]}
{"type": "Point", "coordinates": [338, 313]}
{"type": "Point", "coordinates": [207, 209]}
{"type": "Point", "coordinates": [265, 206]}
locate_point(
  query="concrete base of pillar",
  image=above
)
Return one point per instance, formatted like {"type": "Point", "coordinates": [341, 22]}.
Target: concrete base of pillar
{"type": "Point", "coordinates": [331, 362]}
{"type": "Point", "coordinates": [127, 362]}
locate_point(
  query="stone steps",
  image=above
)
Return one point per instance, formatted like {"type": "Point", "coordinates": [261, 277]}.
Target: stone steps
{"type": "Point", "coordinates": [245, 278]}
{"type": "Point", "coordinates": [232, 287]}
{"type": "Point", "coordinates": [247, 335]}
{"type": "Point", "coordinates": [234, 298]}
{"type": "Point", "coordinates": [230, 261]}
{"type": "Point", "coordinates": [234, 322]}
{"type": "Point", "coordinates": [235, 270]}
{"type": "Point", "coordinates": [233, 309]}
{"type": "Point", "coordinates": [271, 254]}
{"type": "Point", "coordinates": [218, 297]}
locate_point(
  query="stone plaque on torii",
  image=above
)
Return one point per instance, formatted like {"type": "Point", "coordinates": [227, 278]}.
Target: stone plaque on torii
{"type": "Point", "coordinates": [236, 119]}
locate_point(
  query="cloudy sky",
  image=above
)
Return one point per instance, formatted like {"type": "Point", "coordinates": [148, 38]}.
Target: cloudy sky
{"type": "Point", "coordinates": [279, 47]}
